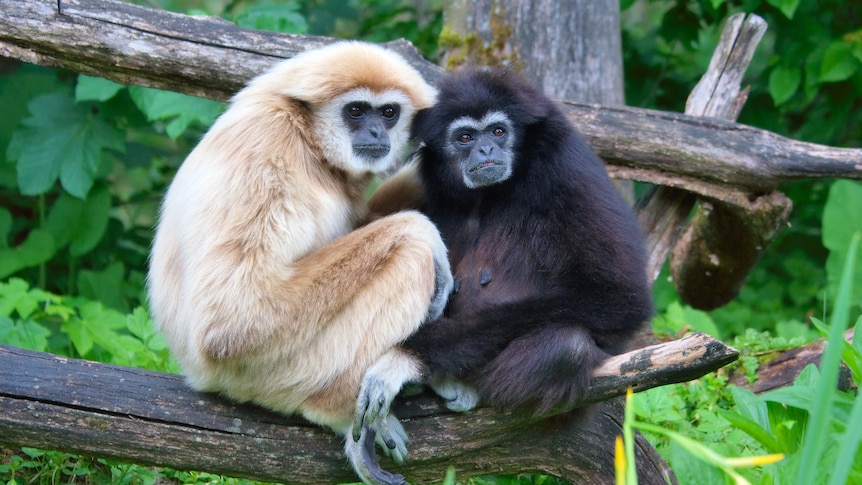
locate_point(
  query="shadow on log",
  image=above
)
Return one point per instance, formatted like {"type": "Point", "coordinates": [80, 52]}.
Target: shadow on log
{"type": "Point", "coordinates": [153, 418]}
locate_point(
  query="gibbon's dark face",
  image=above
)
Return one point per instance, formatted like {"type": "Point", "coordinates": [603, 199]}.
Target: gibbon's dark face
{"type": "Point", "coordinates": [482, 148]}
{"type": "Point", "coordinates": [369, 127]}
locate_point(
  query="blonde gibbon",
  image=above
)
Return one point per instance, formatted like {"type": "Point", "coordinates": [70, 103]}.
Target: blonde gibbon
{"type": "Point", "coordinates": [266, 277]}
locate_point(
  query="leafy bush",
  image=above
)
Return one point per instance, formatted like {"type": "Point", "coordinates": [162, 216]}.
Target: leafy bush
{"type": "Point", "coordinates": [818, 428]}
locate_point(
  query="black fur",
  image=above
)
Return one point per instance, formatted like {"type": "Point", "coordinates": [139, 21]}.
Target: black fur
{"type": "Point", "coordinates": [549, 264]}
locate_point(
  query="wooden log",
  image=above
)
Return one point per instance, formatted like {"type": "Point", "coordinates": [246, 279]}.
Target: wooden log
{"type": "Point", "coordinates": [725, 238]}
{"type": "Point", "coordinates": [154, 418]}
{"type": "Point", "coordinates": [727, 234]}
{"type": "Point", "coordinates": [780, 369]}
{"type": "Point", "coordinates": [663, 212]}
{"type": "Point", "coordinates": [210, 57]}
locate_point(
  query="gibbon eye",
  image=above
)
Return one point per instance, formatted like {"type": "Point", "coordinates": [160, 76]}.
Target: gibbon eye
{"type": "Point", "coordinates": [498, 131]}
{"type": "Point", "coordinates": [354, 111]}
{"type": "Point", "coordinates": [465, 138]}
{"type": "Point", "coordinates": [389, 112]}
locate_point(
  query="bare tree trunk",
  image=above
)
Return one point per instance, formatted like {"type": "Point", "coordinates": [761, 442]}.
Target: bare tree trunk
{"type": "Point", "coordinates": [572, 49]}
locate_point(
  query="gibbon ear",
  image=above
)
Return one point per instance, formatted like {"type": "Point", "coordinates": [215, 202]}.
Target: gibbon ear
{"type": "Point", "coordinates": [422, 128]}
{"type": "Point", "coordinates": [534, 106]}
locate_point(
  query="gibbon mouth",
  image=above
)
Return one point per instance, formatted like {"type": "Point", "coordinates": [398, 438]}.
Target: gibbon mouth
{"type": "Point", "coordinates": [371, 151]}
{"type": "Point", "coordinates": [485, 164]}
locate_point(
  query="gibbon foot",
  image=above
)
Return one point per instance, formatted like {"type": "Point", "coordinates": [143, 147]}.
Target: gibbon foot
{"type": "Point", "coordinates": [382, 382]}
{"type": "Point", "coordinates": [364, 462]}
{"type": "Point", "coordinates": [459, 396]}
{"type": "Point", "coordinates": [372, 413]}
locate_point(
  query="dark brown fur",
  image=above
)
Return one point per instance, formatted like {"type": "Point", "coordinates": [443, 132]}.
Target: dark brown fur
{"type": "Point", "coordinates": [549, 264]}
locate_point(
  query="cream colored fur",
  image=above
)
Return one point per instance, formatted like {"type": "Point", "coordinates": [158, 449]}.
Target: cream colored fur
{"type": "Point", "coordinates": [261, 278]}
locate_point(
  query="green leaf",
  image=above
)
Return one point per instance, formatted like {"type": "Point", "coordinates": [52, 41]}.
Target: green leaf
{"type": "Point", "coordinates": [755, 430]}
{"type": "Point", "coordinates": [63, 218]}
{"type": "Point", "coordinates": [787, 7]}
{"type": "Point", "coordinates": [93, 221]}
{"type": "Point", "coordinates": [25, 334]}
{"type": "Point", "coordinates": [657, 405]}
{"type": "Point", "coordinates": [60, 140]}
{"type": "Point", "coordinates": [841, 219]}
{"type": "Point", "coordinates": [851, 355]}
{"type": "Point", "coordinates": [104, 286]}
{"type": "Point", "coordinates": [16, 295]}
{"type": "Point", "coordinates": [19, 87]}
{"type": "Point", "coordinates": [179, 110]}
{"type": "Point", "coordinates": [96, 325]}
{"type": "Point", "coordinates": [140, 325]}
{"type": "Point", "coordinates": [35, 250]}
{"type": "Point", "coordinates": [79, 335]}
{"type": "Point", "coordinates": [5, 227]}
{"type": "Point", "coordinates": [783, 83]}
{"type": "Point", "coordinates": [838, 62]}
{"type": "Point", "coordinates": [95, 88]}
{"type": "Point", "coordinates": [750, 406]}
{"type": "Point", "coordinates": [857, 336]}
{"type": "Point", "coordinates": [79, 222]}
{"type": "Point", "coordinates": [849, 446]}
{"type": "Point", "coordinates": [625, 4]}
{"type": "Point", "coordinates": [275, 17]}
{"type": "Point", "coordinates": [100, 319]}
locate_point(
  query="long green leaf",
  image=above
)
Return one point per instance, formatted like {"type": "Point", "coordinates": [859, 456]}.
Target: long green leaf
{"type": "Point", "coordinates": [815, 437]}
{"type": "Point", "coordinates": [755, 430]}
{"type": "Point", "coordinates": [850, 354]}
{"type": "Point", "coordinates": [849, 446]}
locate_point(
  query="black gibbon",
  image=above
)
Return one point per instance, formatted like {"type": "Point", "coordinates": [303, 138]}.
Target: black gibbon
{"type": "Point", "coordinates": [265, 278]}
{"type": "Point", "coordinates": [548, 259]}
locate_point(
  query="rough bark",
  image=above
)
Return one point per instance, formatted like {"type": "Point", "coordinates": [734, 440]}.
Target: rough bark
{"type": "Point", "coordinates": [572, 50]}
{"type": "Point", "coordinates": [780, 369]}
{"type": "Point", "coordinates": [724, 239]}
{"type": "Point", "coordinates": [154, 418]}
{"type": "Point", "coordinates": [726, 236]}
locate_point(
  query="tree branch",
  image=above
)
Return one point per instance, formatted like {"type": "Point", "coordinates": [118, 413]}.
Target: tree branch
{"type": "Point", "coordinates": [154, 418]}
{"type": "Point", "coordinates": [209, 57]}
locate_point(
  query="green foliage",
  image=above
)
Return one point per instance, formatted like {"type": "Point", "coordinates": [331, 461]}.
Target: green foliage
{"type": "Point", "coordinates": [277, 17]}
{"type": "Point", "coordinates": [30, 465]}
{"type": "Point", "coordinates": [82, 180]}
{"type": "Point", "coordinates": [817, 427]}
{"type": "Point", "coordinates": [76, 327]}
{"type": "Point", "coordinates": [842, 218]}
{"type": "Point", "coordinates": [806, 77]}
{"type": "Point", "coordinates": [60, 140]}
{"type": "Point", "coordinates": [177, 110]}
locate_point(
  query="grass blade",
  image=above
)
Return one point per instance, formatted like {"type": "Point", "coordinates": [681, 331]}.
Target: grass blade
{"type": "Point", "coordinates": [815, 435]}
{"type": "Point", "coordinates": [849, 445]}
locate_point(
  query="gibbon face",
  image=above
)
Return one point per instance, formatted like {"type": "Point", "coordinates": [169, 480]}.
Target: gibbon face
{"type": "Point", "coordinates": [481, 149]}
{"type": "Point", "coordinates": [363, 127]}
{"type": "Point", "coordinates": [361, 99]}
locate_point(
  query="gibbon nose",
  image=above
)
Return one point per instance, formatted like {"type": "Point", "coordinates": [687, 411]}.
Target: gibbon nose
{"type": "Point", "coordinates": [486, 150]}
